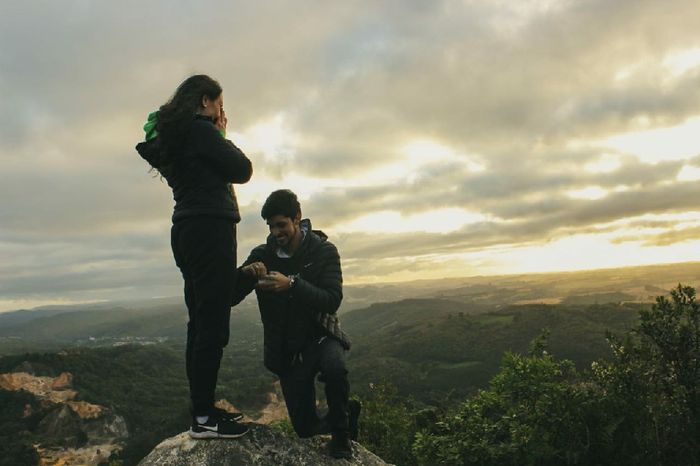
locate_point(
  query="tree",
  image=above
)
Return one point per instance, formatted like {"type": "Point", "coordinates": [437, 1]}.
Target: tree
{"type": "Point", "coordinates": [388, 425]}
{"type": "Point", "coordinates": [653, 382]}
{"type": "Point", "coordinates": [639, 408]}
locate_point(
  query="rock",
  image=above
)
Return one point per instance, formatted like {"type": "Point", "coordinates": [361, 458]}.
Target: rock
{"type": "Point", "coordinates": [224, 404]}
{"type": "Point", "coordinates": [262, 446]}
{"type": "Point", "coordinates": [276, 409]}
{"type": "Point", "coordinates": [63, 381]}
{"type": "Point", "coordinates": [85, 410]}
{"type": "Point", "coordinates": [107, 428]}
{"type": "Point", "coordinates": [92, 455]}
{"type": "Point", "coordinates": [41, 387]}
{"type": "Point", "coordinates": [62, 426]}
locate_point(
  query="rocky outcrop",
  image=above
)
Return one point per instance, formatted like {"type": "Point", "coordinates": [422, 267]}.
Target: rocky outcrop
{"type": "Point", "coordinates": [41, 387]}
{"type": "Point", "coordinates": [72, 432]}
{"type": "Point", "coordinates": [62, 382]}
{"type": "Point", "coordinates": [62, 426]}
{"type": "Point", "coordinates": [85, 410]}
{"type": "Point", "coordinates": [87, 456]}
{"type": "Point", "coordinates": [104, 429]}
{"type": "Point", "coordinates": [262, 446]}
{"type": "Point", "coordinates": [276, 409]}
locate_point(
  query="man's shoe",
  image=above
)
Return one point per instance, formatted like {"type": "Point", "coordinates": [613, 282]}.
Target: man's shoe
{"type": "Point", "coordinates": [340, 446]}
{"type": "Point", "coordinates": [217, 427]}
{"type": "Point", "coordinates": [354, 408]}
{"type": "Point", "coordinates": [231, 416]}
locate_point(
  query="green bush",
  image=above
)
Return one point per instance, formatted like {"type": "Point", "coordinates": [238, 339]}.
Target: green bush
{"type": "Point", "coordinates": [388, 424]}
{"type": "Point", "coordinates": [653, 384]}
{"type": "Point", "coordinates": [639, 408]}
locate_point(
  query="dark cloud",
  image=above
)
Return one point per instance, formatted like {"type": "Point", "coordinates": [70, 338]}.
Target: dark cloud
{"type": "Point", "coordinates": [670, 236]}
{"type": "Point", "coordinates": [570, 218]}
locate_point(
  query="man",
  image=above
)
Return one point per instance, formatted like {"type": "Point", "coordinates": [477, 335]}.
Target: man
{"type": "Point", "coordinates": [298, 282]}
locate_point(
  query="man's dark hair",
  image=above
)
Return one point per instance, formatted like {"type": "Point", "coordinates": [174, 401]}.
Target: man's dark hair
{"type": "Point", "coordinates": [281, 202]}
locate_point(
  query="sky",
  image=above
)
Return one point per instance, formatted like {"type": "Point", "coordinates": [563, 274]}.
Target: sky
{"type": "Point", "coordinates": [428, 139]}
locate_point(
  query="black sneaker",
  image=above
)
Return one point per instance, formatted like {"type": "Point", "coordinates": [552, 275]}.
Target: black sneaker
{"type": "Point", "coordinates": [217, 427]}
{"type": "Point", "coordinates": [231, 416]}
{"type": "Point", "coordinates": [340, 446]}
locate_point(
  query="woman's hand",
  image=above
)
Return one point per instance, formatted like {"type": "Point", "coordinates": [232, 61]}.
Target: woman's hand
{"type": "Point", "coordinates": [275, 282]}
{"type": "Point", "coordinates": [256, 270]}
{"type": "Point", "coordinates": [222, 121]}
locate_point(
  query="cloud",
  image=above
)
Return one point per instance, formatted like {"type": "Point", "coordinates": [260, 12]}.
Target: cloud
{"type": "Point", "coordinates": [517, 94]}
{"type": "Point", "coordinates": [668, 237]}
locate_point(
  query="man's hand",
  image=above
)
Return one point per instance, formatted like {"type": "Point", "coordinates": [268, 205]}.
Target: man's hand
{"type": "Point", "coordinates": [275, 282]}
{"type": "Point", "coordinates": [256, 270]}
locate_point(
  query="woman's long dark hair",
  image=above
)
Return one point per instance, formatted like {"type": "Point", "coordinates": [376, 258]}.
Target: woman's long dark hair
{"type": "Point", "coordinates": [174, 115]}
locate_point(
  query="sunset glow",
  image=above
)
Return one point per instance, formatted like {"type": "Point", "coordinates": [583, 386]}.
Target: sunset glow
{"type": "Point", "coordinates": [458, 138]}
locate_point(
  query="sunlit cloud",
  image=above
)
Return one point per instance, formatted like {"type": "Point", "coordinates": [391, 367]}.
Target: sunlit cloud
{"type": "Point", "coordinates": [680, 62]}
{"type": "Point", "coordinates": [272, 137]}
{"type": "Point", "coordinates": [435, 221]}
{"type": "Point", "coordinates": [607, 163]}
{"type": "Point", "coordinates": [590, 193]}
{"type": "Point", "coordinates": [659, 144]}
{"type": "Point", "coordinates": [689, 173]}
{"type": "Point", "coordinates": [582, 252]}
{"type": "Point", "coordinates": [422, 151]}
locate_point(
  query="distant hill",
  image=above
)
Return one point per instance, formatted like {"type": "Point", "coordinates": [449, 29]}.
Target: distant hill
{"type": "Point", "coordinates": [434, 349]}
{"type": "Point", "coordinates": [641, 284]}
{"type": "Point", "coordinates": [436, 341]}
{"type": "Point", "coordinates": [107, 326]}
{"type": "Point", "coordinates": [435, 333]}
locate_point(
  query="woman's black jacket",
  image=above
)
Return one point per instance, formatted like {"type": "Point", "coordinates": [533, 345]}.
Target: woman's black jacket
{"type": "Point", "coordinates": [200, 171]}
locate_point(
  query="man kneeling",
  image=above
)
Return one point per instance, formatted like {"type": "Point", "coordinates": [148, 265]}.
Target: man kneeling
{"type": "Point", "coordinates": [298, 282]}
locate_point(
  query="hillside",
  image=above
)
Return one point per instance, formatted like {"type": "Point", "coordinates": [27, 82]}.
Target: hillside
{"type": "Point", "coordinates": [436, 351]}
{"type": "Point", "coordinates": [158, 320]}
{"type": "Point", "coordinates": [432, 349]}
{"type": "Point", "coordinates": [437, 343]}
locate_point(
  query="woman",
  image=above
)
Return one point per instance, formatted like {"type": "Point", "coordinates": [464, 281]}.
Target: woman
{"type": "Point", "coordinates": [185, 143]}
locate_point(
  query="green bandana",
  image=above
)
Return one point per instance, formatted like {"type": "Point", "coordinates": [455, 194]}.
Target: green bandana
{"type": "Point", "coordinates": [150, 126]}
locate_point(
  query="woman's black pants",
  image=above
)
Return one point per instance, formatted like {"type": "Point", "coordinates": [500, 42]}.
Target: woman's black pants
{"type": "Point", "coordinates": [205, 251]}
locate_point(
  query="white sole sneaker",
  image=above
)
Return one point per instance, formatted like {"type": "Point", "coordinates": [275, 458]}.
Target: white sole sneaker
{"type": "Point", "coordinates": [207, 434]}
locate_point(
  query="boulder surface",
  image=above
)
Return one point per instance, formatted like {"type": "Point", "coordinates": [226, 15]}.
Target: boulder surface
{"type": "Point", "coordinates": [262, 446]}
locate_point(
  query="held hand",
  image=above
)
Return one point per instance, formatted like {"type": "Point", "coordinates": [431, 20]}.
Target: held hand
{"type": "Point", "coordinates": [256, 270]}
{"type": "Point", "coordinates": [275, 282]}
{"type": "Point", "coordinates": [222, 121]}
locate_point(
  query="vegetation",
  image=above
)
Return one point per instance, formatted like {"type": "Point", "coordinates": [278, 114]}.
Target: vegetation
{"type": "Point", "coordinates": [15, 429]}
{"type": "Point", "coordinates": [388, 424]}
{"type": "Point", "coordinates": [144, 384]}
{"type": "Point", "coordinates": [440, 351]}
{"type": "Point", "coordinates": [639, 408]}
{"type": "Point", "coordinates": [427, 371]}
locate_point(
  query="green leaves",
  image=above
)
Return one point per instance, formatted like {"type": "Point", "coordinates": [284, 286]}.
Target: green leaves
{"type": "Point", "coordinates": [642, 407]}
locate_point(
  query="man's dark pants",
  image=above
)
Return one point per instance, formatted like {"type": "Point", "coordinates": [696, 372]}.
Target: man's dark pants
{"type": "Point", "coordinates": [205, 251]}
{"type": "Point", "coordinates": [328, 359]}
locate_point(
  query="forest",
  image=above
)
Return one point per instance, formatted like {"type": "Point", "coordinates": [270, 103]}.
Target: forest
{"type": "Point", "coordinates": [443, 381]}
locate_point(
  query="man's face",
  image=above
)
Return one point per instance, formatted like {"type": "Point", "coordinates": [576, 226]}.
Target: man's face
{"type": "Point", "coordinates": [284, 229]}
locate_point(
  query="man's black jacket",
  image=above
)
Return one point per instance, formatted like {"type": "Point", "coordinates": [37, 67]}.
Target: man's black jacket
{"type": "Point", "coordinates": [294, 318]}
